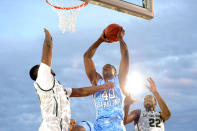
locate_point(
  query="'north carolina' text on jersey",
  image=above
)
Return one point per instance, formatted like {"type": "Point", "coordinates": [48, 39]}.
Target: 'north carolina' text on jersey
{"type": "Point", "coordinates": [109, 105]}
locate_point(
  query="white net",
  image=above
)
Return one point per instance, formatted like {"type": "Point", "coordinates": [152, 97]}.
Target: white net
{"type": "Point", "coordinates": [67, 11]}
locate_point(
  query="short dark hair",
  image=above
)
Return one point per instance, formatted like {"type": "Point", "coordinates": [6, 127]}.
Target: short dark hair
{"type": "Point", "coordinates": [112, 67]}
{"type": "Point", "coordinates": [33, 72]}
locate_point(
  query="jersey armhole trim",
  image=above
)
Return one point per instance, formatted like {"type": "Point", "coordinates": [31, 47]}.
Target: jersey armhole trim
{"type": "Point", "coordinates": [88, 125]}
{"type": "Point", "coordinates": [48, 89]}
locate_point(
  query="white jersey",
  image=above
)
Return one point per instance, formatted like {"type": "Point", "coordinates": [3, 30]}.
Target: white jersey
{"type": "Point", "coordinates": [54, 101]}
{"type": "Point", "coordinates": [150, 121]}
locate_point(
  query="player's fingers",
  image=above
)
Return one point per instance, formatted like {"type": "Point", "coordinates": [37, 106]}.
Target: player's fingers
{"type": "Point", "coordinates": [150, 80]}
{"type": "Point", "coordinates": [103, 35]}
{"type": "Point", "coordinates": [48, 35]}
{"type": "Point", "coordinates": [122, 31]}
{"type": "Point", "coordinates": [119, 33]}
{"type": "Point", "coordinates": [111, 84]}
{"type": "Point", "coordinates": [46, 31]}
{"type": "Point", "coordinates": [107, 85]}
{"type": "Point", "coordinates": [147, 86]}
{"type": "Point", "coordinates": [153, 82]}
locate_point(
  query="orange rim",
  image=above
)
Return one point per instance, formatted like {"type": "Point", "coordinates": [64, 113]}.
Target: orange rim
{"type": "Point", "coordinates": [67, 8]}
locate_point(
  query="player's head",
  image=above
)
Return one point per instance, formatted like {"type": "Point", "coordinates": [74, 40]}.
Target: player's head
{"type": "Point", "coordinates": [34, 72]}
{"type": "Point", "coordinates": [109, 71]}
{"type": "Point", "coordinates": [150, 103]}
{"type": "Point", "coordinates": [72, 125]}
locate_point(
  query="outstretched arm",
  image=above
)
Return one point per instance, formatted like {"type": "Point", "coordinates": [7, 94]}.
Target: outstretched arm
{"type": "Point", "coordinates": [133, 116]}
{"type": "Point", "coordinates": [44, 76]}
{"type": "Point", "coordinates": [86, 91]}
{"type": "Point", "coordinates": [127, 102]}
{"type": "Point", "coordinates": [47, 48]}
{"type": "Point", "coordinates": [165, 111]}
{"type": "Point", "coordinates": [124, 63]}
{"type": "Point", "coordinates": [89, 64]}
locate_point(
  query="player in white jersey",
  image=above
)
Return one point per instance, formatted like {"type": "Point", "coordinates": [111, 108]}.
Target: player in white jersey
{"type": "Point", "coordinates": [54, 98]}
{"type": "Point", "coordinates": [150, 120]}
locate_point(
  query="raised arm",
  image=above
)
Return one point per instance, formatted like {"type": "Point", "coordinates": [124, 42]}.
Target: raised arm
{"type": "Point", "coordinates": [127, 102]}
{"type": "Point", "coordinates": [133, 116]}
{"type": "Point", "coordinates": [165, 111]}
{"type": "Point", "coordinates": [124, 63]}
{"type": "Point", "coordinates": [86, 91]}
{"type": "Point", "coordinates": [44, 73]}
{"type": "Point", "coordinates": [47, 48]}
{"type": "Point", "coordinates": [89, 64]}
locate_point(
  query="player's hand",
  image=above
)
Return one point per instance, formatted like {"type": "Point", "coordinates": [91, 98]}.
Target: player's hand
{"type": "Point", "coordinates": [108, 85]}
{"type": "Point", "coordinates": [152, 88]}
{"type": "Point", "coordinates": [73, 123]}
{"type": "Point", "coordinates": [129, 100]}
{"type": "Point", "coordinates": [47, 35]}
{"type": "Point", "coordinates": [121, 34]}
{"type": "Point", "coordinates": [103, 37]}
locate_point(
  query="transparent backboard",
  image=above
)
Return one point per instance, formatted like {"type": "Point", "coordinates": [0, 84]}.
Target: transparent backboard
{"type": "Point", "coordinates": [143, 9]}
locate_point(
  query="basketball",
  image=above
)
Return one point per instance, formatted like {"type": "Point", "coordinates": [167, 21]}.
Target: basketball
{"type": "Point", "coordinates": [111, 32]}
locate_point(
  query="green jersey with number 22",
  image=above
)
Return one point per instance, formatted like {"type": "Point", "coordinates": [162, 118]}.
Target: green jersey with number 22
{"type": "Point", "coordinates": [150, 121]}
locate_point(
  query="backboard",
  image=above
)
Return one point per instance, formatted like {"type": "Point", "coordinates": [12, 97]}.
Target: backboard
{"type": "Point", "coordinates": [145, 11]}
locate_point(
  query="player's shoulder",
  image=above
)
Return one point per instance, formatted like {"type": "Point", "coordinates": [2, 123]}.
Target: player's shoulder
{"type": "Point", "coordinates": [137, 114]}
{"type": "Point", "coordinates": [35, 84]}
{"type": "Point", "coordinates": [44, 66]}
{"type": "Point", "coordinates": [137, 111]}
{"type": "Point", "coordinates": [44, 73]}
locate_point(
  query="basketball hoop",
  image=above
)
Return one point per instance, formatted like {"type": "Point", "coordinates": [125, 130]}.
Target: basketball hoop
{"type": "Point", "coordinates": [67, 11]}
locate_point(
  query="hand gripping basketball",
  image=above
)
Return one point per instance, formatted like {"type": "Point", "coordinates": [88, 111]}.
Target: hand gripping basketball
{"type": "Point", "coordinates": [121, 34]}
{"type": "Point", "coordinates": [112, 33]}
